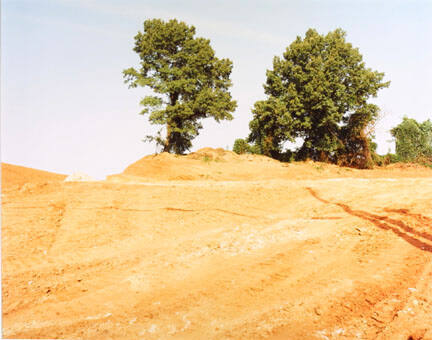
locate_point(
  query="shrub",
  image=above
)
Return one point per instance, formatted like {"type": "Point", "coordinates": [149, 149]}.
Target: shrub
{"type": "Point", "coordinates": [241, 146]}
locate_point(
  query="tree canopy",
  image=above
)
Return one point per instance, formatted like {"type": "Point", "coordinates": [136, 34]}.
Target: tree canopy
{"type": "Point", "coordinates": [318, 93]}
{"type": "Point", "coordinates": [189, 82]}
{"type": "Point", "coordinates": [413, 140]}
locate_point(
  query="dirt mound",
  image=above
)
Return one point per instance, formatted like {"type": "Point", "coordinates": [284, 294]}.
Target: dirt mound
{"type": "Point", "coordinates": [17, 176]}
{"type": "Point", "coordinates": [223, 165]}
{"type": "Point", "coordinates": [213, 154]}
{"type": "Point", "coordinates": [162, 166]}
{"type": "Point", "coordinates": [204, 164]}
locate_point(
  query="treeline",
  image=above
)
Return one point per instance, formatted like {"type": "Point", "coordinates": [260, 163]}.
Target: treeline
{"type": "Point", "coordinates": [316, 98]}
{"type": "Point", "coordinates": [413, 144]}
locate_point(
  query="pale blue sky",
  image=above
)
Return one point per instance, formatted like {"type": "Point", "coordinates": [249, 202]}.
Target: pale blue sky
{"type": "Point", "coordinates": [64, 106]}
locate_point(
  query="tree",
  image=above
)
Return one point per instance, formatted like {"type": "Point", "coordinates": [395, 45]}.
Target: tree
{"type": "Point", "coordinates": [188, 81]}
{"type": "Point", "coordinates": [413, 140]}
{"type": "Point", "coordinates": [318, 92]}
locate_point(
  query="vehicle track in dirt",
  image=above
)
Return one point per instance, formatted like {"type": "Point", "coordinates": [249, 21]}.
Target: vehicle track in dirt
{"type": "Point", "coordinates": [317, 258]}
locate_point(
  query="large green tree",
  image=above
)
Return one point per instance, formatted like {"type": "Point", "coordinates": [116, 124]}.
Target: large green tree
{"type": "Point", "coordinates": [413, 140]}
{"type": "Point", "coordinates": [188, 81]}
{"type": "Point", "coordinates": [318, 92]}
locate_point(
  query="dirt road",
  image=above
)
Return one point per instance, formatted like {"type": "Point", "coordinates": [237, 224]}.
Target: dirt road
{"type": "Point", "coordinates": [327, 254]}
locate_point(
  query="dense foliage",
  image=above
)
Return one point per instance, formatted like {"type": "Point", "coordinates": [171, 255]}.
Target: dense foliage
{"type": "Point", "coordinates": [188, 81]}
{"type": "Point", "coordinates": [318, 92]}
{"type": "Point", "coordinates": [413, 140]}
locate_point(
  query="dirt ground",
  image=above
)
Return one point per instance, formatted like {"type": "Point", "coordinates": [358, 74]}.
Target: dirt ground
{"type": "Point", "coordinates": [218, 246]}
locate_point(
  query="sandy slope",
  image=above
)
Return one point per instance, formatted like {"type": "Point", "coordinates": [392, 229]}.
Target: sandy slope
{"type": "Point", "coordinates": [14, 176]}
{"type": "Point", "coordinates": [243, 248]}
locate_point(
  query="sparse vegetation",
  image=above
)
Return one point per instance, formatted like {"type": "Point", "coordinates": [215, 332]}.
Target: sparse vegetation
{"type": "Point", "coordinates": [206, 159]}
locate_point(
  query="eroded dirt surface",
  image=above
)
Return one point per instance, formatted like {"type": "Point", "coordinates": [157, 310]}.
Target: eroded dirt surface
{"type": "Point", "coordinates": [334, 254]}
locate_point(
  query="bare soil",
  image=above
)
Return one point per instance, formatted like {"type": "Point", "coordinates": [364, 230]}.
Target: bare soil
{"type": "Point", "coordinates": [218, 246]}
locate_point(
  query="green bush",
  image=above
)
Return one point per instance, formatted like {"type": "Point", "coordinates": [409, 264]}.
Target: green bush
{"type": "Point", "coordinates": [413, 140]}
{"type": "Point", "coordinates": [241, 146]}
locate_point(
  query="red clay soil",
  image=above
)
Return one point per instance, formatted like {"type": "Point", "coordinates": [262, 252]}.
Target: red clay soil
{"type": "Point", "coordinates": [219, 246]}
{"type": "Point", "coordinates": [17, 176]}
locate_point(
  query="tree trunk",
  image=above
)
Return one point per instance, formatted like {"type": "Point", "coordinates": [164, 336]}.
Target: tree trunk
{"type": "Point", "coordinates": [323, 157]}
{"type": "Point", "coordinates": [367, 158]}
{"type": "Point", "coordinates": [167, 145]}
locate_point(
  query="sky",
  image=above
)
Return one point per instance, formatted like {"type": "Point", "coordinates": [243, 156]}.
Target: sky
{"type": "Point", "coordinates": [65, 107]}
